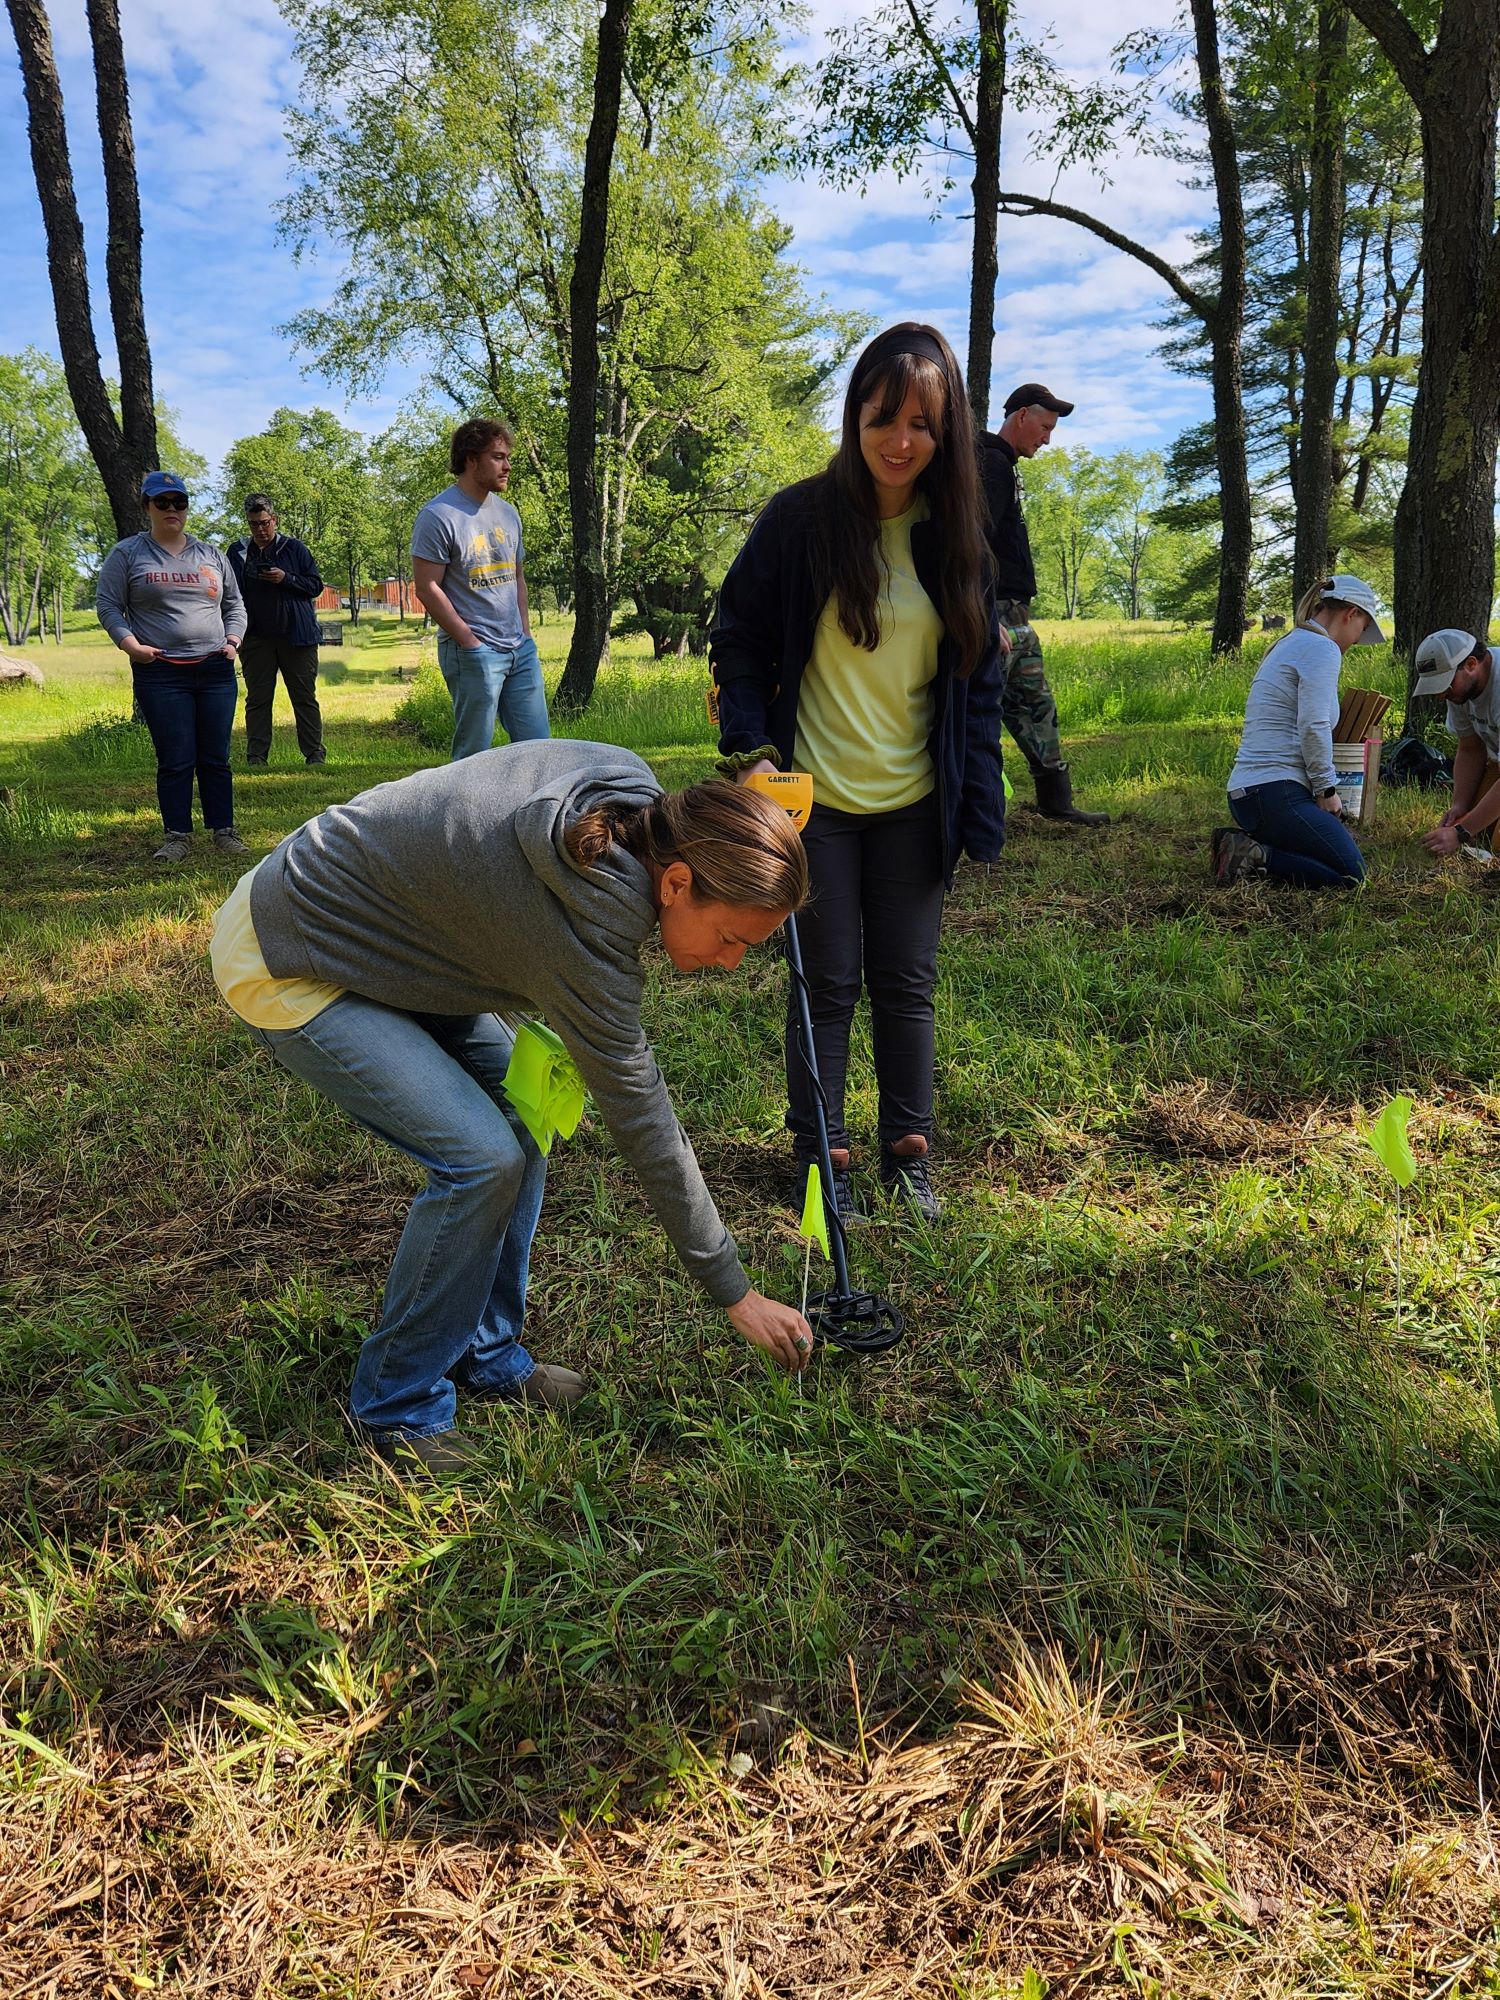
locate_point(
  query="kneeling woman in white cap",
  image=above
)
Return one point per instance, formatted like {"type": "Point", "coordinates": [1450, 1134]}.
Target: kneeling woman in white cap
{"type": "Point", "coordinates": [1283, 796]}
{"type": "Point", "coordinates": [371, 954]}
{"type": "Point", "coordinates": [1458, 665]}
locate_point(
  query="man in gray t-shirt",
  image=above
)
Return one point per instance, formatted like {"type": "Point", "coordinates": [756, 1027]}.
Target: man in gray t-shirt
{"type": "Point", "coordinates": [1458, 665]}
{"type": "Point", "coordinates": [467, 552]}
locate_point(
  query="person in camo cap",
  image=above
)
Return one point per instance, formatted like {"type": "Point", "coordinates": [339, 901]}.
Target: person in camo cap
{"type": "Point", "coordinates": [1027, 707]}
{"type": "Point", "coordinates": [1458, 665]}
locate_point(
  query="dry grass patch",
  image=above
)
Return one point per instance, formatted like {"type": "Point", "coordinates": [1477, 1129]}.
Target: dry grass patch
{"type": "Point", "coordinates": [1054, 1831]}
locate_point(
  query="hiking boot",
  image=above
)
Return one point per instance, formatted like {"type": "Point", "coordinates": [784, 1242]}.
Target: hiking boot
{"type": "Point", "coordinates": [1054, 797]}
{"type": "Point", "coordinates": [442, 1453]}
{"type": "Point", "coordinates": [554, 1388]}
{"type": "Point", "coordinates": [911, 1179]}
{"type": "Point", "coordinates": [176, 847]}
{"type": "Point", "coordinates": [1236, 857]}
{"type": "Point", "coordinates": [228, 841]}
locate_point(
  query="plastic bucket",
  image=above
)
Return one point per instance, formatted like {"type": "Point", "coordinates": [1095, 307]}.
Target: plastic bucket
{"type": "Point", "coordinates": [1349, 775]}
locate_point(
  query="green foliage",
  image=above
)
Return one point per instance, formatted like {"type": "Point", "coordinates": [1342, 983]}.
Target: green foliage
{"type": "Point", "coordinates": [47, 487]}
{"type": "Point", "coordinates": [317, 472]}
{"type": "Point", "coordinates": [451, 151]}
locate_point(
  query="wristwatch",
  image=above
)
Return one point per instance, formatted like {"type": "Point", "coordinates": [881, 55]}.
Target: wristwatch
{"type": "Point", "coordinates": [1328, 792]}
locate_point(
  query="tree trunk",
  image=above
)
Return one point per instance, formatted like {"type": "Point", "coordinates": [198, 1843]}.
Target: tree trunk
{"type": "Point", "coordinates": [1445, 520]}
{"type": "Point", "coordinates": [118, 459]}
{"type": "Point", "coordinates": [989, 106]}
{"type": "Point", "coordinates": [123, 255]}
{"type": "Point", "coordinates": [591, 603]}
{"type": "Point", "coordinates": [1227, 327]}
{"type": "Point", "coordinates": [1312, 551]}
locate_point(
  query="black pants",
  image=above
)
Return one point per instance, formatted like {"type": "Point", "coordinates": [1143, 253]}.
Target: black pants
{"type": "Point", "coordinates": [877, 906]}
{"type": "Point", "coordinates": [261, 660]}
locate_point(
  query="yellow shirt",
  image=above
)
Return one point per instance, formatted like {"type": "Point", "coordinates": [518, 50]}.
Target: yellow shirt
{"type": "Point", "coordinates": [247, 983]}
{"type": "Point", "coordinates": [863, 718]}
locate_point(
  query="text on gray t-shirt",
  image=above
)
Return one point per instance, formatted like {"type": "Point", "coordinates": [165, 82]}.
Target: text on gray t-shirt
{"type": "Point", "coordinates": [187, 604]}
{"type": "Point", "coordinates": [479, 544]}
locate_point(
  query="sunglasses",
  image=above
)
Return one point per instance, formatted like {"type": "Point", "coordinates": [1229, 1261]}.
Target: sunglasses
{"type": "Point", "coordinates": [170, 503]}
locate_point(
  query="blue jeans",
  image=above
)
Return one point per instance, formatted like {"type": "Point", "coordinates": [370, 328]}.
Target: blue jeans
{"type": "Point", "coordinates": [486, 681]}
{"type": "Point", "coordinates": [1303, 843]}
{"type": "Point", "coordinates": [189, 710]}
{"type": "Point", "coordinates": [455, 1298]}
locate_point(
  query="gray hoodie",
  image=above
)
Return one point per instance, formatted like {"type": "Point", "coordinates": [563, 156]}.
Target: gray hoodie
{"type": "Point", "coordinates": [450, 892]}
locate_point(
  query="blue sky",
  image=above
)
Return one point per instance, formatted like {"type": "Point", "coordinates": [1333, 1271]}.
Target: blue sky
{"type": "Point", "coordinates": [208, 84]}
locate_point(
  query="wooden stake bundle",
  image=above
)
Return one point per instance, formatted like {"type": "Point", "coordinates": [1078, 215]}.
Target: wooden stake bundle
{"type": "Point", "coordinates": [1359, 712]}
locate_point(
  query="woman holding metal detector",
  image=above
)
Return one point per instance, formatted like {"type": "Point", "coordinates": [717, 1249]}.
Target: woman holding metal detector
{"type": "Point", "coordinates": [372, 955]}
{"type": "Point", "coordinates": [856, 641]}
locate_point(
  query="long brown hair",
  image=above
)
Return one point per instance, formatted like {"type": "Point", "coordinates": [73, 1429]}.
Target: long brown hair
{"type": "Point", "coordinates": [741, 848]}
{"type": "Point", "coordinates": [906, 357]}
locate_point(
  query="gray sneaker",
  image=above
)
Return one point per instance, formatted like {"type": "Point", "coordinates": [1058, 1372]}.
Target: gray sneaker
{"type": "Point", "coordinates": [176, 847]}
{"type": "Point", "coordinates": [228, 841]}
{"type": "Point", "coordinates": [1236, 857]}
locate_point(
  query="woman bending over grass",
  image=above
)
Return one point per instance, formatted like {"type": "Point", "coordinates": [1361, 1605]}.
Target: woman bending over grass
{"type": "Point", "coordinates": [1282, 791]}
{"type": "Point", "coordinates": [371, 955]}
{"type": "Point", "coordinates": [856, 640]}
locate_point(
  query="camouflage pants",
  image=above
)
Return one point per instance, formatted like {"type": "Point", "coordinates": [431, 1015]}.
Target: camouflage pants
{"type": "Point", "coordinates": [1027, 707]}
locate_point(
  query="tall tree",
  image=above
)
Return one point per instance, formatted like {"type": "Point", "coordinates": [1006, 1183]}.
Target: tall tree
{"type": "Point", "coordinates": [1220, 310]}
{"type": "Point", "coordinates": [590, 593]}
{"type": "Point", "coordinates": [1445, 520]}
{"type": "Point", "coordinates": [902, 89]}
{"type": "Point", "coordinates": [1312, 551]}
{"type": "Point", "coordinates": [451, 163]}
{"type": "Point", "coordinates": [122, 446]}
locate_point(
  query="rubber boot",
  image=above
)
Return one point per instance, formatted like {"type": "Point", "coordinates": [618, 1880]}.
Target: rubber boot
{"type": "Point", "coordinates": [1054, 797]}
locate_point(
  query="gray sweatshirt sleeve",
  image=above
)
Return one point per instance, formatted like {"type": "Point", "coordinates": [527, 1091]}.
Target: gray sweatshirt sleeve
{"type": "Point", "coordinates": [622, 1077]}
{"type": "Point", "coordinates": [109, 593]}
{"type": "Point", "coordinates": [233, 604]}
{"type": "Point", "coordinates": [1317, 711]}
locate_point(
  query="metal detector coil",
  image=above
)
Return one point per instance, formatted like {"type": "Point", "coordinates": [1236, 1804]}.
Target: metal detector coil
{"type": "Point", "coordinates": [858, 1322]}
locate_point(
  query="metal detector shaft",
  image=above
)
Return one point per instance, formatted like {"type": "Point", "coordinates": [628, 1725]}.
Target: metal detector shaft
{"type": "Point", "coordinates": [820, 1117]}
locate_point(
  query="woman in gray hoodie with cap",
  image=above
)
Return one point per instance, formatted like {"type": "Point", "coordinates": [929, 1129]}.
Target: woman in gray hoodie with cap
{"type": "Point", "coordinates": [373, 954]}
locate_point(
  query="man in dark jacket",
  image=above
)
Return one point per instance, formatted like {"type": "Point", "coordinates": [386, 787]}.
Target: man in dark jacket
{"type": "Point", "coordinates": [279, 581]}
{"type": "Point", "coordinates": [1027, 707]}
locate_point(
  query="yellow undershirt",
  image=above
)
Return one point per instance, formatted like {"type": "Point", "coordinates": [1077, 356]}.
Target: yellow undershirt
{"type": "Point", "coordinates": [863, 718]}
{"type": "Point", "coordinates": [245, 980]}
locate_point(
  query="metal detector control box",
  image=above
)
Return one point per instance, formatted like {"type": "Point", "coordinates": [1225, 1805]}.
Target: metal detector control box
{"type": "Point", "coordinates": [791, 789]}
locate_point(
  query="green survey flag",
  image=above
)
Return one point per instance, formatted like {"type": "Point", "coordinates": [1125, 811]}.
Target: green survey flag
{"type": "Point", "coordinates": [543, 1084]}
{"type": "Point", "coordinates": [1387, 1137]}
{"type": "Point", "coordinates": [814, 1215]}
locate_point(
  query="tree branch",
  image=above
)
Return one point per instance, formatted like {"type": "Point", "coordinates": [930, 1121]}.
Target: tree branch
{"type": "Point", "coordinates": [1198, 303]}
{"type": "Point", "coordinates": [1400, 43]}
{"type": "Point", "coordinates": [935, 57]}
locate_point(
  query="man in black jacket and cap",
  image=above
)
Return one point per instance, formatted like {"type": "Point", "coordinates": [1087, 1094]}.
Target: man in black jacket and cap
{"type": "Point", "coordinates": [1027, 707]}
{"type": "Point", "coordinates": [280, 583]}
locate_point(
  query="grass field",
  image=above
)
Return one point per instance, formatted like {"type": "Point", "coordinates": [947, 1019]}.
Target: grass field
{"type": "Point", "coordinates": [1131, 1628]}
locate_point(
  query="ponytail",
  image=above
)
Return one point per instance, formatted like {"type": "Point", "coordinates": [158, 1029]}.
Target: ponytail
{"type": "Point", "coordinates": [740, 848]}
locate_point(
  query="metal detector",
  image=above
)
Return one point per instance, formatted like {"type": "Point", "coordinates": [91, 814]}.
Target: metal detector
{"type": "Point", "coordinates": [859, 1322]}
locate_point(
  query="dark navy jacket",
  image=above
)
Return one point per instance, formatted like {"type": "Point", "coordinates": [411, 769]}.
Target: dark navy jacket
{"type": "Point", "coordinates": [762, 639]}
{"type": "Point", "coordinates": [280, 610]}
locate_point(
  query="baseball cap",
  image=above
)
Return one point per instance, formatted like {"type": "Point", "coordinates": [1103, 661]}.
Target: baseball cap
{"type": "Point", "coordinates": [1439, 657]}
{"type": "Point", "coordinates": [1033, 392]}
{"type": "Point", "coordinates": [156, 483]}
{"type": "Point", "coordinates": [1351, 590]}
